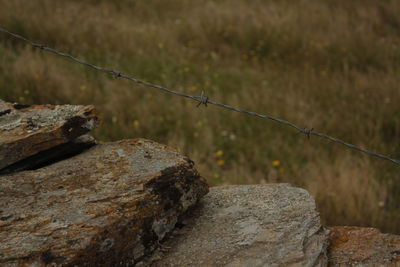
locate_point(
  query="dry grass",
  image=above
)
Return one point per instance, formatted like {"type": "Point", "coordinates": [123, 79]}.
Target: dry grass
{"type": "Point", "coordinates": [331, 65]}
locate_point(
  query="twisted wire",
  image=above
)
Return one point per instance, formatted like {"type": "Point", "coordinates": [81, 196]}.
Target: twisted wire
{"type": "Point", "coordinates": [202, 99]}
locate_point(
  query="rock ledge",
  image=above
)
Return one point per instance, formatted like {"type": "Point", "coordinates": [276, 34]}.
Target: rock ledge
{"type": "Point", "coordinates": [250, 225]}
{"type": "Point", "coordinates": [26, 130]}
{"type": "Point", "coordinates": [108, 206]}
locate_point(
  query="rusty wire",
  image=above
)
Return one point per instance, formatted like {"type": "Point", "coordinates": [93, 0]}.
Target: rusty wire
{"type": "Point", "coordinates": [202, 99]}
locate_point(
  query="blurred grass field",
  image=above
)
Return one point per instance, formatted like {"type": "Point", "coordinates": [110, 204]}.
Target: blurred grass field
{"type": "Point", "coordinates": [331, 65]}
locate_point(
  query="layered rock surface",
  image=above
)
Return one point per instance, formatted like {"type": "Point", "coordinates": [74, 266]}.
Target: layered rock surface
{"type": "Point", "coordinates": [108, 206]}
{"type": "Point", "coordinates": [258, 225]}
{"type": "Point", "coordinates": [84, 204]}
{"type": "Point", "coordinates": [27, 130]}
{"type": "Point", "coordinates": [51, 155]}
{"type": "Point", "coordinates": [358, 246]}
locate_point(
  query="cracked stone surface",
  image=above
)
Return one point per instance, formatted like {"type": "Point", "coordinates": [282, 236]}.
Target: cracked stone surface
{"type": "Point", "coordinates": [51, 155]}
{"type": "Point", "coordinates": [108, 206]}
{"type": "Point", "coordinates": [27, 130]}
{"type": "Point", "coordinates": [249, 225]}
{"type": "Point", "coordinates": [362, 246]}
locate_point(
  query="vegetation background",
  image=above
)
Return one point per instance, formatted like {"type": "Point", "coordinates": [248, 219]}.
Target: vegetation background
{"type": "Point", "coordinates": [333, 65]}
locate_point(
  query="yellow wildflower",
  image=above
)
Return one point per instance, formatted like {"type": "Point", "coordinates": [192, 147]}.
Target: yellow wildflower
{"type": "Point", "coordinates": [219, 153]}
{"type": "Point", "coordinates": [136, 123]}
{"type": "Point", "coordinates": [220, 162]}
{"type": "Point", "coordinates": [276, 163]}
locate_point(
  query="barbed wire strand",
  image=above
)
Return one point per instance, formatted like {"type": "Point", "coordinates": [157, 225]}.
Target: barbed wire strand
{"type": "Point", "coordinates": [202, 99]}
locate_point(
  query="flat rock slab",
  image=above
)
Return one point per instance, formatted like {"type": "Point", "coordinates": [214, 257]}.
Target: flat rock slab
{"type": "Point", "coordinates": [252, 225]}
{"type": "Point", "coordinates": [52, 155]}
{"type": "Point", "coordinates": [108, 206]}
{"type": "Point", "coordinates": [360, 246]}
{"type": "Point", "coordinates": [27, 130]}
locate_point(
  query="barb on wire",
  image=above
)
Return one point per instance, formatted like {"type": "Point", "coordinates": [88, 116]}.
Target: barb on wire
{"type": "Point", "coordinates": [202, 99]}
{"type": "Point", "coordinates": [307, 132]}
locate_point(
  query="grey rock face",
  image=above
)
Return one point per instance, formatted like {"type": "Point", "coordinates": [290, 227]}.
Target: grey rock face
{"type": "Point", "coordinates": [108, 206]}
{"type": "Point", "coordinates": [27, 130]}
{"type": "Point", "coordinates": [252, 225]}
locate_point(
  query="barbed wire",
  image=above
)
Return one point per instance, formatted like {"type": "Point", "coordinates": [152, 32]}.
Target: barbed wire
{"type": "Point", "coordinates": [202, 99]}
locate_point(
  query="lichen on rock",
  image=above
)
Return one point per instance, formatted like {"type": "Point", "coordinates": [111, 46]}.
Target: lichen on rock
{"type": "Point", "coordinates": [108, 206]}
{"type": "Point", "coordinates": [26, 130]}
{"type": "Point", "coordinates": [363, 246]}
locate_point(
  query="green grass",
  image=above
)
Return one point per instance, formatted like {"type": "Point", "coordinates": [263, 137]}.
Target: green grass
{"type": "Point", "coordinates": [329, 65]}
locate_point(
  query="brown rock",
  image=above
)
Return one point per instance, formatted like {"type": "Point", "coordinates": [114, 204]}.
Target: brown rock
{"type": "Point", "coordinates": [252, 225]}
{"type": "Point", "coordinates": [108, 206]}
{"type": "Point", "coordinates": [52, 155]}
{"type": "Point", "coordinates": [359, 246]}
{"type": "Point", "coordinates": [27, 130]}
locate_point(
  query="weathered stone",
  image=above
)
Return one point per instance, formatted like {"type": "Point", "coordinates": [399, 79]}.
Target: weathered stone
{"type": "Point", "coordinates": [51, 155]}
{"type": "Point", "coordinates": [359, 246]}
{"type": "Point", "coordinates": [27, 130]}
{"type": "Point", "coordinates": [252, 225]}
{"type": "Point", "coordinates": [108, 206]}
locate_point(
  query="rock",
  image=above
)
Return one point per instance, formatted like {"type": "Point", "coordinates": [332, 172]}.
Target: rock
{"type": "Point", "coordinates": [359, 246]}
{"type": "Point", "coordinates": [51, 155]}
{"type": "Point", "coordinates": [27, 130]}
{"type": "Point", "coordinates": [252, 225]}
{"type": "Point", "coordinates": [108, 206]}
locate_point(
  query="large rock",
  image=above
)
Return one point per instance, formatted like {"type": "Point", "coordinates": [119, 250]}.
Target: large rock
{"type": "Point", "coordinates": [27, 130]}
{"type": "Point", "coordinates": [252, 225]}
{"type": "Point", "coordinates": [108, 206]}
{"type": "Point", "coordinates": [358, 246]}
